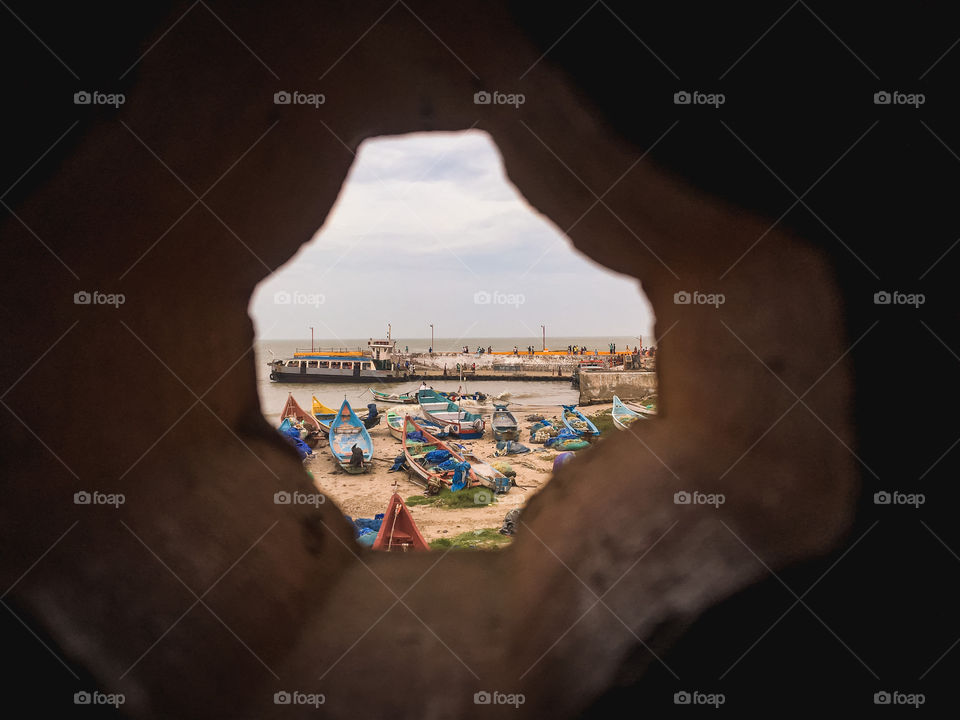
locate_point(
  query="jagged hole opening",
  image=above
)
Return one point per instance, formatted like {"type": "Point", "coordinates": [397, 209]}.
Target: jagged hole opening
{"type": "Point", "coordinates": [432, 269]}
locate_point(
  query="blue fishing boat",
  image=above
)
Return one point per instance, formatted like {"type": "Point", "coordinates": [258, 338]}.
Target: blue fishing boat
{"type": "Point", "coordinates": [350, 443]}
{"type": "Point", "coordinates": [462, 423]}
{"type": "Point", "coordinates": [622, 415]}
{"type": "Point", "coordinates": [576, 422]}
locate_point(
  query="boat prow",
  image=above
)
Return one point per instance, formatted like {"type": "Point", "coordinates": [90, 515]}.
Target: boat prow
{"type": "Point", "coordinates": [398, 532]}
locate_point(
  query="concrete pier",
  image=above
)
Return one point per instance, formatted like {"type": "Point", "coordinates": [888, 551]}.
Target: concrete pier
{"type": "Point", "coordinates": [599, 386]}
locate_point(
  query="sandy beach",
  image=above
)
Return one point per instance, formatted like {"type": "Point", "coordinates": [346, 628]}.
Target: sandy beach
{"type": "Point", "coordinates": [367, 494]}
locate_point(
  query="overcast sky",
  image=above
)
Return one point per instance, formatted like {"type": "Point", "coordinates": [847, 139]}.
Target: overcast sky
{"type": "Point", "coordinates": [428, 229]}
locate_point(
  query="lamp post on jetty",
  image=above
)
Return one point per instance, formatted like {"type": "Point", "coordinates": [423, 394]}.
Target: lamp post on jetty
{"type": "Point", "coordinates": [543, 328]}
{"type": "Point", "coordinates": [431, 338]}
{"type": "Point", "coordinates": [311, 339]}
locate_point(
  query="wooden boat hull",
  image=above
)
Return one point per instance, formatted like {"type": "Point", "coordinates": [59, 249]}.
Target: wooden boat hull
{"type": "Point", "coordinates": [464, 424]}
{"type": "Point", "coordinates": [504, 425]}
{"type": "Point", "coordinates": [487, 476]}
{"type": "Point", "coordinates": [323, 414]}
{"type": "Point", "coordinates": [398, 531]}
{"type": "Point", "coordinates": [395, 423]}
{"type": "Point", "coordinates": [396, 398]}
{"type": "Point", "coordinates": [347, 430]}
{"type": "Point", "coordinates": [569, 414]}
{"type": "Point", "coordinates": [623, 416]}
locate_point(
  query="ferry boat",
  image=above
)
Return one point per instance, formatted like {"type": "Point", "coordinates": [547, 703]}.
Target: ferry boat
{"type": "Point", "coordinates": [338, 366]}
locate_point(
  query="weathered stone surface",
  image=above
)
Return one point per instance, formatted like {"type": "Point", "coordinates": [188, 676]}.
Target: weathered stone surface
{"type": "Point", "coordinates": [200, 597]}
{"type": "Point", "coordinates": [601, 386]}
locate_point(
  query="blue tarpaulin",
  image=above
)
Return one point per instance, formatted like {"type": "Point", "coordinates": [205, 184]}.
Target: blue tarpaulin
{"type": "Point", "coordinates": [292, 436]}
{"type": "Point", "coordinates": [437, 456]}
{"type": "Point", "coordinates": [511, 447]}
{"type": "Point", "coordinates": [460, 476]}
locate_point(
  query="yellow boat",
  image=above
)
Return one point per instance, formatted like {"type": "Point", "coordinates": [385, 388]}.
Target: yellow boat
{"type": "Point", "coordinates": [322, 413]}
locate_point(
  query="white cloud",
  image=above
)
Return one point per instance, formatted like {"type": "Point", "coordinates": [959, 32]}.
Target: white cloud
{"type": "Point", "coordinates": [423, 222]}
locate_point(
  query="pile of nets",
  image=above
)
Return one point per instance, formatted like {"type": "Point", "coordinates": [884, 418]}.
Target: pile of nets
{"type": "Point", "coordinates": [292, 435]}
{"type": "Point", "coordinates": [365, 530]}
{"type": "Point", "coordinates": [567, 440]}
{"type": "Point", "coordinates": [505, 468]}
{"type": "Point", "coordinates": [542, 431]}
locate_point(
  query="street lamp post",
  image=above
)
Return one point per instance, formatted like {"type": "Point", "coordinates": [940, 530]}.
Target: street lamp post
{"type": "Point", "coordinates": [544, 329]}
{"type": "Point", "coordinates": [431, 337]}
{"type": "Point", "coordinates": [311, 339]}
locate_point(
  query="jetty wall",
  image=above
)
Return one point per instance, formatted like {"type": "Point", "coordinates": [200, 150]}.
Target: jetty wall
{"type": "Point", "coordinates": [601, 386]}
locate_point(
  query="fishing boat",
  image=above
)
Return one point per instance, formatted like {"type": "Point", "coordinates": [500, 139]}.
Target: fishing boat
{"type": "Point", "coordinates": [323, 414]}
{"type": "Point", "coordinates": [429, 474]}
{"type": "Point", "coordinates": [297, 415]}
{"type": "Point", "coordinates": [395, 424]}
{"type": "Point", "coordinates": [398, 531]}
{"type": "Point", "coordinates": [406, 398]}
{"type": "Point", "coordinates": [576, 422]}
{"type": "Point", "coordinates": [346, 433]}
{"type": "Point", "coordinates": [464, 424]}
{"type": "Point", "coordinates": [622, 415]}
{"type": "Point", "coordinates": [504, 424]}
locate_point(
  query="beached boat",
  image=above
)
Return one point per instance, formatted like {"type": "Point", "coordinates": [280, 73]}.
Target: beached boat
{"type": "Point", "coordinates": [406, 398]}
{"type": "Point", "coordinates": [463, 424]}
{"type": "Point", "coordinates": [504, 424]}
{"type": "Point", "coordinates": [395, 424]}
{"type": "Point", "coordinates": [577, 422]}
{"type": "Point", "coordinates": [427, 473]}
{"type": "Point", "coordinates": [398, 532]}
{"type": "Point", "coordinates": [346, 433]}
{"type": "Point", "coordinates": [297, 415]}
{"type": "Point", "coordinates": [323, 414]}
{"type": "Point", "coordinates": [622, 415]}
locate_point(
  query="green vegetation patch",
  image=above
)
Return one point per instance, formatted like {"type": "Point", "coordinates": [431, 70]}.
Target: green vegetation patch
{"type": "Point", "coordinates": [483, 539]}
{"type": "Point", "coordinates": [466, 498]}
{"type": "Point", "coordinates": [604, 421]}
